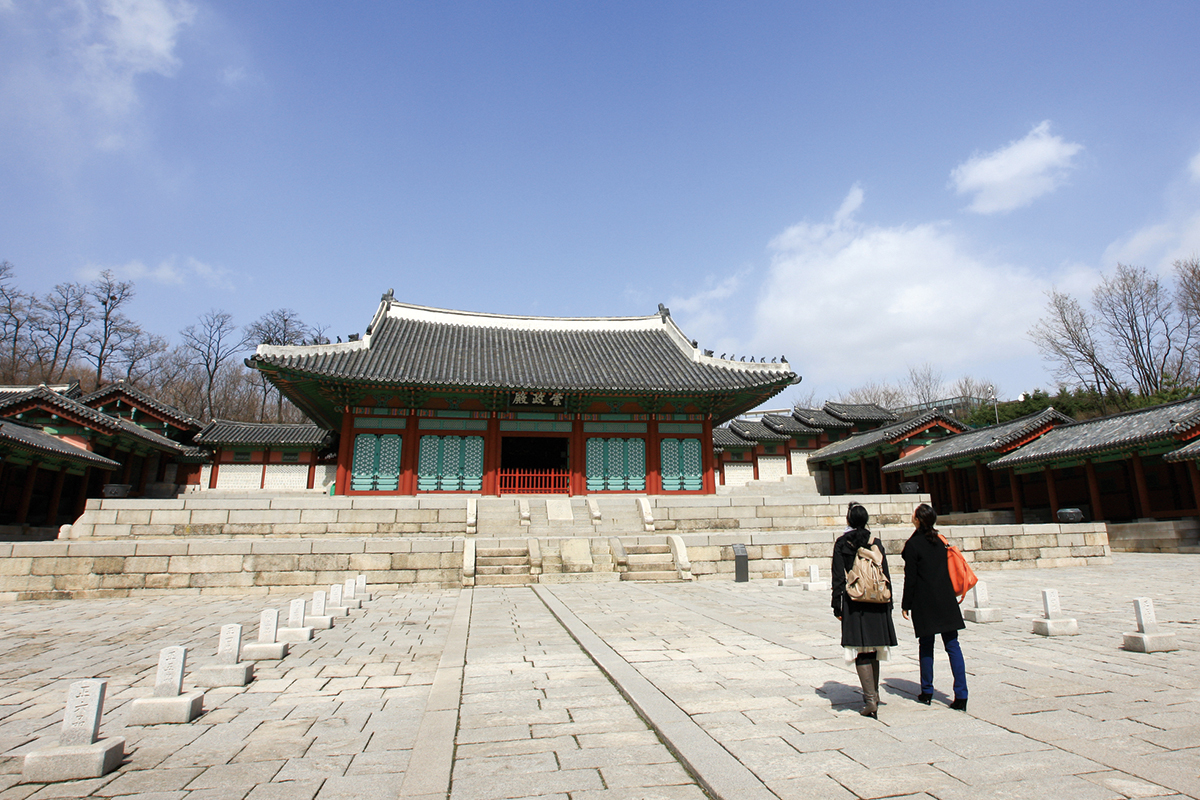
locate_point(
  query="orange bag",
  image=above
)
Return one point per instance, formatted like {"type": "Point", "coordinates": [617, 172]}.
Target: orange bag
{"type": "Point", "coordinates": [962, 577]}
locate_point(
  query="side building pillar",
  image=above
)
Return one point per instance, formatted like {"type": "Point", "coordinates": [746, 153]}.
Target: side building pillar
{"type": "Point", "coordinates": [1139, 479]}
{"type": "Point", "coordinates": [1051, 492]}
{"type": "Point", "coordinates": [1014, 482]}
{"type": "Point", "coordinates": [1093, 490]}
{"type": "Point", "coordinates": [345, 452]}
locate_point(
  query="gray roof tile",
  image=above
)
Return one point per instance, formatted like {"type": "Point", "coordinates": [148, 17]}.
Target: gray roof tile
{"type": "Point", "coordinates": [859, 412]}
{"type": "Point", "coordinates": [981, 440]}
{"type": "Point", "coordinates": [228, 432]}
{"type": "Point", "coordinates": [888, 434]}
{"type": "Point", "coordinates": [123, 389]}
{"type": "Point", "coordinates": [39, 443]}
{"type": "Point", "coordinates": [756, 431]}
{"type": "Point", "coordinates": [98, 420]}
{"type": "Point", "coordinates": [820, 418]}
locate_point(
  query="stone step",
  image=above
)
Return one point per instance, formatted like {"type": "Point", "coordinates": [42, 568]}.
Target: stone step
{"type": "Point", "coordinates": [501, 569]}
{"type": "Point", "coordinates": [662, 576]}
{"type": "Point", "coordinates": [650, 566]}
{"type": "Point", "coordinates": [501, 553]}
{"type": "Point", "coordinates": [503, 580]}
{"type": "Point", "coordinates": [647, 549]}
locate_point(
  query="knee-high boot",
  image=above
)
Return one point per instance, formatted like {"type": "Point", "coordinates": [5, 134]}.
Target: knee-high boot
{"type": "Point", "coordinates": [867, 673]}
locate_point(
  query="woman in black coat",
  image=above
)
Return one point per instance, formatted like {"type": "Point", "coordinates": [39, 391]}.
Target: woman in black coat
{"type": "Point", "coordinates": [867, 630]}
{"type": "Point", "coordinates": [930, 598]}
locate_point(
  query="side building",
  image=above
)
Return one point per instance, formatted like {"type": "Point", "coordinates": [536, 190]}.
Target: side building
{"type": "Point", "coordinates": [435, 400]}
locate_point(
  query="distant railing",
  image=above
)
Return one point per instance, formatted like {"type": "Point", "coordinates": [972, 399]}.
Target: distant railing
{"type": "Point", "coordinates": [535, 481]}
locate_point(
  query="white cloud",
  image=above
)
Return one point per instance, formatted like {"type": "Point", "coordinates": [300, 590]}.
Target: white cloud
{"type": "Point", "coordinates": [705, 311]}
{"type": "Point", "coordinates": [850, 302]}
{"type": "Point", "coordinates": [1194, 167]}
{"type": "Point", "coordinates": [168, 272]}
{"type": "Point", "coordinates": [1016, 174]}
{"type": "Point", "coordinates": [1158, 243]}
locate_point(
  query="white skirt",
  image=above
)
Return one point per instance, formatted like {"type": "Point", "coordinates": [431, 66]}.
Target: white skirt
{"type": "Point", "coordinates": [850, 653]}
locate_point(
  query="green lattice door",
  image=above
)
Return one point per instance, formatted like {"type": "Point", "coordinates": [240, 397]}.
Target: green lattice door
{"type": "Point", "coordinates": [450, 463]}
{"type": "Point", "coordinates": [681, 467]}
{"type": "Point", "coordinates": [616, 465]}
{"type": "Point", "coordinates": [376, 463]}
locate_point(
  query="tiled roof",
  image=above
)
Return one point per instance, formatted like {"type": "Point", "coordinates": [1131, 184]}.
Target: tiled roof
{"type": "Point", "coordinates": [39, 443]}
{"type": "Point", "coordinates": [819, 418]}
{"type": "Point", "coordinates": [66, 389]}
{"type": "Point", "coordinates": [409, 344]}
{"type": "Point", "coordinates": [859, 412]}
{"type": "Point", "coordinates": [98, 420]}
{"type": "Point", "coordinates": [1118, 432]}
{"type": "Point", "coordinates": [723, 438]}
{"type": "Point", "coordinates": [227, 432]}
{"type": "Point", "coordinates": [756, 431]}
{"type": "Point", "coordinates": [122, 389]}
{"type": "Point", "coordinates": [789, 425]}
{"type": "Point", "coordinates": [991, 439]}
{"type": "Point", "coordinates": [889, 434]}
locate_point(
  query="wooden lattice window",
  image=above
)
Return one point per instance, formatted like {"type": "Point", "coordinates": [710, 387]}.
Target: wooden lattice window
{"type": "Point", "coordinates": [450, 463]}
{"type": "Point", "coordinates": [682, 469]}
{"type": "Point", "coordinates": [616, 465]}
{"type": "Point", "coordinates": [376, 463]}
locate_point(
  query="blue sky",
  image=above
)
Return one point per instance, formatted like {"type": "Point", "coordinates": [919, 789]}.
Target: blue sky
{"type": "Point", "coordinates": [857, 186]}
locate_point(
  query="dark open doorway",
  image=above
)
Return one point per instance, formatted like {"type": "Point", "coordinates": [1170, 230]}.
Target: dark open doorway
{"type": "Point", "coordinates": [534, 452]}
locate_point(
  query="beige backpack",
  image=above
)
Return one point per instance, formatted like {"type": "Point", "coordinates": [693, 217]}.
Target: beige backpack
{"type": "Point", "coordinates": [865, 582]}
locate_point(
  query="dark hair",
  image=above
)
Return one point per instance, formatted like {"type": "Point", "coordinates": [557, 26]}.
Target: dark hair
{"type": "Point", "coordinates": [926, 517]}
{"type": "Point", "coordinates": [857, 516]}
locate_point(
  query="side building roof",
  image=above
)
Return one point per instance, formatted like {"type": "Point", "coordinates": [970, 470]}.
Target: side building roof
{"type": "Point", "coordinates": [57, 404]}
{"type": "Point", "coordinates": [860, 412]}
{"type": "Point", "coordinates": [754, 431]}
{"type": "Point", "coordinates": [230, 433]}
{"type": "Point", "coordinates": [1163, 426]}
{"type": "Point", "coordinates": [819, 418]}
{"type": "Point", "coordinates": [864, 442]}
{"type": "Point", "coordinates": [38, 443]}
{"type": "Point", "coordinates": [993, 440]}
{"type": "Point", "coordinates": [415, 346]}
{"type": "Point", "coordinates": [136, 397]}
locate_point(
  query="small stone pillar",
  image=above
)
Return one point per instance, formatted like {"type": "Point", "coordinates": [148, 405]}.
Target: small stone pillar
{"type": "Point", "coordinates": [1148, 638]}
{"type": "Point", "coordinates": [168, 704]}
{"type": "Point", "coordinates": [296, 631]}
{"type": "Point", "coordinates": [318, 619]}
{"type": "Point", "coordinates": [1054, 623]}
{"type": "Point", "coordinates": [348, 598]}
{"type": "Point", "coordinates": [979, 610]}
{"type": "Point", "coordinates": [268, 647]}
{"type": "Point", "coordinates": [228, 669]}
{"type": "Point", "coordinates": [789, 574]}
{"type": "Point", "coordinates": [80, 752]}
{"type": "Point", "coordinates": [814, 582]}
{"type": "Point", "coordinates": [360, 588]}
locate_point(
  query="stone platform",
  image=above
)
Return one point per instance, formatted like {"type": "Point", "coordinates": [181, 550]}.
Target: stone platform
{"type": "Point", "coordinates": [624, 690]}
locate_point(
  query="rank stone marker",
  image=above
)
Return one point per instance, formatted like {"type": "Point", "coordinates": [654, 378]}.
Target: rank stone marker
{"type": "Point", "coordinates": [360, 588]}
{"type": "Point", "coordinates": [268, 647]}
{"type": "Point", "coordinates": [79, 754]}
{"type": "Point", "coordinates": [336, 607]}
{"type": "Point", "coordinates": [227, 670]}
{"type": "Point", "coordinates": [1148, 638]}
{"type": "Point", "coordinates": [814, 582]}
{"type": "Point", "coordinates": [979, 611]}
{"type": "Point", "coordinates": [318, 618]}
{"type": "Point", "coordinates": [348, 598]}
{"type": "Point", "coordinates": [1054, 624]}
{"type": "Point", "coordinates": [789, 574]}
{"type": "Point", "coordinates": [296, 631]}
{"type": "Point", "coordinates": [168, 704]}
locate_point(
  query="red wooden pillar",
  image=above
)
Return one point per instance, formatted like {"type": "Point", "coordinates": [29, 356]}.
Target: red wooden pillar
{"type": "Point", "coordinates": [27, 493]}
{"type": "Point", "coordinates": [262, 474]}
{"type": "Point", "coordinates": [127, 471]}
{"type": "Point", "coordinates": [1139, 479]}
{"type": "Point", "coordinates": [981, 477]}
{"type": "Point", "coordinates": [846, 476]}
{"type": "Point", "coordinates": [706, 454]}
{"type": "Point", "coordinates": [1014, 483]}
{"type": "Point", "coordinates": [654, 457]}
{"type": "Point", "coordinates": [927, 487]}
{"type": "Point", "coordinates": [312, 471]}
{"type": "Point", "coordinates": [216, 467]}
{"type": "Point", "coordinates": [56, 496]}
{"type": "Point", "coordinates": [862, 475]}
{"type": "Point", "coordinates": [345, 453]}
{"type": "Point", "coordinates": [951, 478]}
{"type": "Point", "coordinates": [578, 457]}
{"type": "Point", "coordinates": [491, 457]}
{"type": "Point", "coordinates": [1093, 489]}
{"type": "Point", "coordinates": [410, 453]}
{"type": "Point", "coordinates": [1052, 492]}
{"type": "Point", "coordinates": [754, 460]}
{"type": "Point", "coordinates": [1194, 478]}
{"type": "Point", "coordinates": [81, 495]}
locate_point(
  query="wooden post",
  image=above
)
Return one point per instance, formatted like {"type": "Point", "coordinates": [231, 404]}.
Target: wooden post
{"type": "Point", "coordinates": [1093, 490]}
{"type": "Point", "coordinates": [410, 454]}
{"type": "Point", "coordinates": [56, 496]}
{"type": "Point", "coordinates": [1014, 483]}
{"type": "Point", "coordinates": [81, 496]}
{"type": "Point", "coordinates": [862, 474]}
{"type": "Point", "coordinates": [312, 470]}
{"type": "Point", "coordinates": [1052, 492]}
{"type": "Point", "coordinates": [951, 478]}
{"type": "Point", "coordinates": [846, 476]}
{"type": "Point", "coordinates": [985, 500]}
{"type": "Point", "coordinates": [654, 459]}
{"type": "Point", "coordinates": [1194, 478]}
{"type": "Point", "coordinates": [27, 493]}
{"type": "Point", "coordinates": [927, 487]}
{"type": "Point", "coordinates": [345, 453]}
{"type": "Point", "coordinates": [262, 475]}
{"type": "Point", "coordinates": [1139, 479]}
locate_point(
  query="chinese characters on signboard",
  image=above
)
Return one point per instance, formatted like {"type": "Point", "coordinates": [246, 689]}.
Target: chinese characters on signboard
{"type": "Point", "coordinates": [538, 399]}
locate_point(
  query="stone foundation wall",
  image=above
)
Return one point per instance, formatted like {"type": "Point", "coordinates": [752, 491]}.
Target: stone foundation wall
{"type": "Point", "coordinates": [1168, 536]}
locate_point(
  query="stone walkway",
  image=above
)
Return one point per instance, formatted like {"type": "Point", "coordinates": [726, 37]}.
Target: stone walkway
{"type": "Point", "coordinates": [627, 692]}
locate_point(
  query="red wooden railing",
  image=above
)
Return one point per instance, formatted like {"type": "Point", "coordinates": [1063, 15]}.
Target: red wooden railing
{"type": "Point", "coordinates": [535, 481]}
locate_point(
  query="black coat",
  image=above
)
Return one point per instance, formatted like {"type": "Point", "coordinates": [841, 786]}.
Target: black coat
{"type": "Point", "coordinates": [928, 594]}
{"type": "Point", "coordinates": [863, 624]}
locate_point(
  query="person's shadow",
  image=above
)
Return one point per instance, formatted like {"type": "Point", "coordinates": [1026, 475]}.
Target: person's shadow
{"type": "Point", "coordinates": [843, 695]}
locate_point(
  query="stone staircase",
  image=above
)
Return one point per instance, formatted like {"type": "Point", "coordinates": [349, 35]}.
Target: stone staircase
{"type": "Point", "coordinates": [506, 563]}
{"type": "Point", "coordinates": [650, 562]}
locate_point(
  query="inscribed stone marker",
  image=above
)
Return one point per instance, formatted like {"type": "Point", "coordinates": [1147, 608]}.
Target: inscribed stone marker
{"type": "Point", "coordinates": [1143, 607]}
{"type": "Point", "coordinates": [81, 722]}
{"type": "Point", "coordinates": [335, 595]}
{"type": "Point", "coordinates": [318, 606]}
{"type": "Point", "coordinates": [296, 614]}
{"type": "Point", "coordinates": [789, 569]}
{"type": "Point", "coordinates": [229, 648]}
{"type": "Point", "coordinates": [814, 573]}
{"type": "Point", "coordinates": [169, 680]}
{"type": "Point", "coordinates": [268, 624]}
{"type": "Point", "coordinates": [348, 591]}
{"type": "Point", "coordinates": [1050, 603]}
{"type": "Point", "coordinates": [360, 584]}
{"type": "Point", "coordinates": [980, 595]}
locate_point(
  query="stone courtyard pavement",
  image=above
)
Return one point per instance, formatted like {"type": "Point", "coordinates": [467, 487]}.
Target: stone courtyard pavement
{"type": "Point", "coordinates": [616, 691]}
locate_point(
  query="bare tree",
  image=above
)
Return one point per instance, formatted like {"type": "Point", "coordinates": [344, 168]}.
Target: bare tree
{"type": "Point", "coordinates": [211, 345]}
{"type": "Point", "coordinates": [139, 355]}
{"type": "Point", "coordinates": [282, 326]}
{"type": "Point", "coordinates": [885, 395]}
{"type": "Point", "coordinates": [1068, 338]}
{"type": "Point", "coordinates": [62, 319]}
{"type": "Point", "coordinates": [15, 310]}
{"type": "Point", "coordinates": [111, 328]}
{"type": "Point", "coordinates": [924, 383]}
{"type": "Point", "coordinates": [1140, 317]}
{"type": "Point", "coordinates": [1187, 299]}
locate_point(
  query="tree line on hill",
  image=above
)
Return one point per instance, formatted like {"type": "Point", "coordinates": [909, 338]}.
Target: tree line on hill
{"type": "Point", "coordinates": [82, 332]}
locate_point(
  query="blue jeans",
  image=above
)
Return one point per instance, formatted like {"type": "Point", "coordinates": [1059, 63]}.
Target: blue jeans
{"type": "Point", "coordinates": [957, 665]}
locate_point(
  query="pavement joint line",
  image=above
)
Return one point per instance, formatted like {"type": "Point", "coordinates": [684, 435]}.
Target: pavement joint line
{"type": "Point", "coordinates": [431, 761]}
{"type": "Point", "coordinates": [721, 774]}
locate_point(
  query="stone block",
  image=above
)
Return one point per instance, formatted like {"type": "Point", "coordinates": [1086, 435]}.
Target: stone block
{"type": "Point", "coordinates": [981, 615]}
{"type": "Point", "coordinates": [138, 516]}
{"type": "Point", "coordinates": [369, 562]}
{"type": "Point", "coordinates": [376, 516]}
{"type": "Point", "coordinates": [341, 546]}
{"type": "Point", "coordinates": [163, 517]}
{"type": "Point", "coordinates": [215, 675]}
{"type": "Point", "coordinates": [112, 531]}
{"type": "Point", "coordinates": [15, 566]}
{"type": "Point", "coordinates": [281, 547]}
{"type": "Point", "coordinates": [391, 502]}
{"type": "Point", "coordinates": [1056, 627]}
{"type": "Point", "coordinates": [209, 516]}
{"type": "Point", "coordinates": [121, 581]}
{"type": "Point", "coordinates": [101, 548]}
{"type": "Point", "coordinates": [1149, 642]}
{"type": "Point", "coordinates": [216, 547]}
{"type": "Point", "coordinates": [388, 546]}
{"type": "Point", "coordinates": [202, 580]}
{"type": "Point", "coordinates": [270, 563]}
{"type": "Point", "coordinates": [176, 710]}
{"type": "Point", "coordinates": [442, 501]}
{"type": "Point", "coordinates": [297, 578]}
{"type": "Point", "coordinates": [203, 564]}
{"type": "Point", "coordinates": [73, 763]}
{"type": "Point", "coordinates": [997, 543]}
{"type": "Point", "coordinates": [319, 515]}
{"type": "Point", "coordinates": [304, 634]}
{"type": "Point", "coordinates": [75, 583]}
{"type": "Point", "coordinates": [266, 516]}
{"type": "Point", "coordinates": [163, 580]}
{"type": "Point", "coordinates": [324, 562]}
